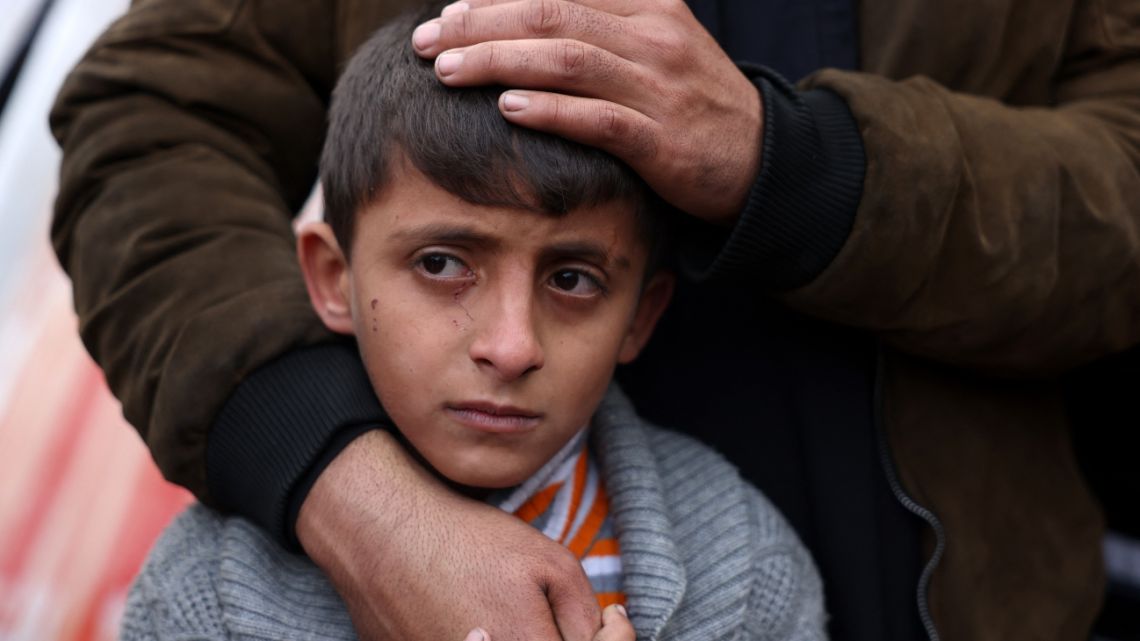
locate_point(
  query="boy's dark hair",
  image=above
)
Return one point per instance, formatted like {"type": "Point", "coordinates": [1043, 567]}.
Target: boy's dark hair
{"type": "Point", "coordinates": [388, 106]}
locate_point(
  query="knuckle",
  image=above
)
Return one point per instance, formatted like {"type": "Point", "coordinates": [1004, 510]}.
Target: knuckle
{"type": "Point", "coordinates": [543, 18]}
{"type": "Point", "coordinates": [568, 565]}
{"type": "Point", "coordinates": [666, 42]}
{"type": "Point", "coordinates": [557, 556]}
{"type": "Point", "coordinates": [609, 124]}
{"type": "Point", "coordinates": [464, 25]}
{"type": "Point", "coordinates": [492, 54]}
{"type": "Point", "coordinates": [635, 141]}
{"type": "Point", "coordinates": [573, 58]}
{"type": "Point", "coordinates": [555, 110]}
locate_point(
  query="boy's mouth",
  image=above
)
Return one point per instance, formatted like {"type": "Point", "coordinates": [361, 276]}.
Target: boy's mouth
{"type": "Point", "coordinates": [490, 417]}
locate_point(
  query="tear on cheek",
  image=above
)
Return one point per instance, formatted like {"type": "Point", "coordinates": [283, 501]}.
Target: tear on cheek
{"type": "Point", "coordinates": [455, 296]}
{"type": "Point", "coordinates": [463, 288]}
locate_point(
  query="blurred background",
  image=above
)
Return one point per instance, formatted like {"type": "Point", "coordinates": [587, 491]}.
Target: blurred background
{"type": "Point", "coordinates": [80, 500]}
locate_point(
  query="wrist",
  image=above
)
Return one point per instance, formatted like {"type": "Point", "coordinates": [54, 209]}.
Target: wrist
{"type": "Point", "coordinates": [277, 425]}
{"type": "Point", "coordinates": [371, 487]}
{"type": "Point", "coordinates": [743, 164]}
{"type": "Point", "coordinates": [304, 485]}
{"type": "Point", "coordinates": [802, 204]}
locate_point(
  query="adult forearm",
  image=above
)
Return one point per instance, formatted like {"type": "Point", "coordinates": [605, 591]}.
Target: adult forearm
{"type": "Point", "coordinates": [996, 224]}
{"type": "Point", "coordinates": [992, 236]}
{"type": "Point", "coordinates": [281, 426]}
{"type": "Point", "coordinates": [187, 146]}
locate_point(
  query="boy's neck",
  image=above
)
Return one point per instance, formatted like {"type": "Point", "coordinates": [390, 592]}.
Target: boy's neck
{"type": "Point", "coordinates": [512, 498]}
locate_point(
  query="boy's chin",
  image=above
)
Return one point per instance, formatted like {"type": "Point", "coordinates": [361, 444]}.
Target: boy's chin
{"type": "Point", "coordinates": [477, 474]}
{"type": "Point", "coordinates": [481, 479]}
{"type": "Point", "coordinates": [481, 483]}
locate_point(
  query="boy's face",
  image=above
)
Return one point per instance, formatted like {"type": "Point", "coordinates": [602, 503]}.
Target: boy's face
{"type": "Point", "coordinates": [490, 334]}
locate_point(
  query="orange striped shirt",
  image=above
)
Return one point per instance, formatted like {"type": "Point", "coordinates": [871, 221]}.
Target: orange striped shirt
{"type": "Point", "coordinates": [567, 500]}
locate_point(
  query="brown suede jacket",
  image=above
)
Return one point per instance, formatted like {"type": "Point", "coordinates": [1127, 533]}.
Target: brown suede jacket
{"type": "Point", "coordinates": [996, 245]}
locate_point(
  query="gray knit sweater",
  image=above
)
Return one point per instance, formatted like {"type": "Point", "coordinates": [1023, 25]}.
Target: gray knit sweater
{"type": "Point", "coordinates": [704, 556]}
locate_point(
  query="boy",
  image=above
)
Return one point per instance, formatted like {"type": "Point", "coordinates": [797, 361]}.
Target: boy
{"type": "Point", "coordinates": [493, 278]}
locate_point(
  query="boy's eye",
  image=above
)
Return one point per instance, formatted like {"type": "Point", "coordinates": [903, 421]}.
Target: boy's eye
{"type": "Point", "coordinates": [574, 282]}
{"type": "Point", "coordinates": [444, 266]}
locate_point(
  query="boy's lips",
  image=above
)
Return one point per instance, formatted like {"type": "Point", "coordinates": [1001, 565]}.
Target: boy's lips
{"type": "Point", "coordinates": [490, 417]}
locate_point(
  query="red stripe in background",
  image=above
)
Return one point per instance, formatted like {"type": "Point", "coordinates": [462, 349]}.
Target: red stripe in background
{"type": "Point", "coordinates": [152, 505]}
{"type": "Point", "coordinates": [52, 471]}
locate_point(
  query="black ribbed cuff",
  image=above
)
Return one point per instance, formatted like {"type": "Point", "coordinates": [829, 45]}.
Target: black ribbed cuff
{"type": "Point", "coordinates": [802, 205]}
{"type": "Point", "coordinates": [278, 430]}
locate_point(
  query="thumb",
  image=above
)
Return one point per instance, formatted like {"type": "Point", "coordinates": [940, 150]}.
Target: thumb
{"type": "Point", "coordinates": [576, 611]}
{"type": "Point", "coordinates": [478, 634]}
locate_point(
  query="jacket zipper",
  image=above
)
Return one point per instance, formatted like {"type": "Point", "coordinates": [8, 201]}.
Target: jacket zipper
{"type": "Point", "coordinates": [911, 505]}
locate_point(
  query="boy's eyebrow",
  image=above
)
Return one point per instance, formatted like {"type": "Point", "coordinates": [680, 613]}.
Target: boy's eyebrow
{"type": "Point", "coordinates": [453, 233]}
{"type": "Point", "coordinates": [445, 233]}
{"type": "Point", "coordinates": [585, 250]}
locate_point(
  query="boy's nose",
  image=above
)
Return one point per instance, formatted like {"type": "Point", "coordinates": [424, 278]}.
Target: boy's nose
{"type": "Point", "coordinates": [506, 342]}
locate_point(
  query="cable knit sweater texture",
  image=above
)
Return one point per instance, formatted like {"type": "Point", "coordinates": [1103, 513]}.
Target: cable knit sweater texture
{"type": "Point", "coordinates": [705, 557]}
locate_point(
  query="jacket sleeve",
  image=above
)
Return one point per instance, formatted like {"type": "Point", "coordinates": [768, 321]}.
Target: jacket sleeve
{"type": "Point", "coordinates": [190, 133]}
{"type": "Point", "coordinates": [987, 235]}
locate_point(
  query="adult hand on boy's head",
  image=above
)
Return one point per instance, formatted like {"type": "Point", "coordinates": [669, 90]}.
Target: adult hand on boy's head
{"type": "Point", "coordinates": [414, 561]}
{"type": "Point", "coordinates": [641, 79]}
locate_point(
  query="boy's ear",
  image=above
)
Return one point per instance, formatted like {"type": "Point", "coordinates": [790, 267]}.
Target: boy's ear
{"type": "Point", "coordinates": [655, 298]}
{"type": "Point", "coordinates": [326, 276]}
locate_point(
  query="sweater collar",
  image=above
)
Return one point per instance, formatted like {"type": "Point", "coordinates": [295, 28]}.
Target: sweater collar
{"type": "Point", "coordinates": [654, 579]}
{"type": "Point", "coordinates": [559, 466]}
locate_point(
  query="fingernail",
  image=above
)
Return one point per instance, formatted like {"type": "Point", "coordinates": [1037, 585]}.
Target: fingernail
{"type": "Point", "coordinates": [455, 7]}
{"type": "Point", "coordinates": [621, 610]}
{"type": "Point", "coordinates": [448, 63]}
{"type": "Point", "coordinates": [476, 635]}
{"type": "Point", "coordinates": [425, 35]}
{"type": "Point", "coordinates": [514, 101]}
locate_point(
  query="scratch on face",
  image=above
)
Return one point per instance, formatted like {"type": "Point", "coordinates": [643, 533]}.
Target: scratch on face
{"type": "Point", "coordinates": [459, 292]}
